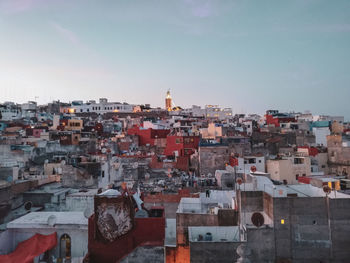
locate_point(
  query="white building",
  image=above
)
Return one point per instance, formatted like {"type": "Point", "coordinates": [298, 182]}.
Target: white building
{"type": "Point", "coordinates": [339, 119]}
{"type": "Point", "coordinates": [245, 164]}
{"type": "Point", "coordinates": [210, 111]}
{"type": "Point", "coordinates": [9, 111]}
{"type": "Point", "coordinates": [29, 109]}
{"type": "Point", "coordinates": [321, 134]}
{"type": "Point", "coordinates": [214, 111]}
{"type": "Point", "coordinates": [71, 229]}
{"type": "Point", "coordinates": [102, 107]}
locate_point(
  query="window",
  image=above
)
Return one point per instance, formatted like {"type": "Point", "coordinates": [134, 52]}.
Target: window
{"type": "Point", "coordinates": [259, 161]}
{"type": "Point", "coordinates": [103, 174]}
{"type": "Point", "coordinates": [65, 247]}
{"type": "Point", "coordinates": [81, 110]}
{"type": "Point", "coordinates": [177, 140]}
{"type": "Point", "coordinates": [298, 160]}
{"type": "Point", "coordinates": [296, 177]}
{"type": "Point", "coordinates": [252, 160]}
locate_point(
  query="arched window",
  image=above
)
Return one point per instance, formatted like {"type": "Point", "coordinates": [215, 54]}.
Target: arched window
{"type": "Point", "coordinates": [65, 247]}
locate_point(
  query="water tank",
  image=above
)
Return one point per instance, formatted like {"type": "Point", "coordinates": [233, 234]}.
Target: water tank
{"type": "Point", "coordinates": [208, 237]}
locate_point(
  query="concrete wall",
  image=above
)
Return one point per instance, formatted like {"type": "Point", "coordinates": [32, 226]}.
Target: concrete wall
{"type": "Point", "coordinates": [37, 199]}
{"type": "Point", "coordinates": [321, 134]}
{"type": "Point", "coordinates": [262, 244]}
{"type": "Point", "coordinates": [340, 222]}
{"type": "Point", "coordinates": [79, 203]}
{"type": "Point", "coordinates": [208, 252]}
{"type": "Point", "coordinates": [252, 201]}
{"type": "Point", "coordinates": [304, 236]}
{"type": "Point", "coordinates": [213, 158]}
{"type": "Point", "coordinates": [338, 156]}
{"type": "Point", "coordinates": [169, 208]}
{"type": "Point", "coordinates": [285, 169]}
{"type": "Point", "coordinates": [183, 221]}
{"type": "Point", "coordinates": [140, 254]}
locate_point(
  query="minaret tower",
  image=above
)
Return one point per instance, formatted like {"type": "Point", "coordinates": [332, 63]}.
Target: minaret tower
{"type": "Point", "coordinates": [168, 102]}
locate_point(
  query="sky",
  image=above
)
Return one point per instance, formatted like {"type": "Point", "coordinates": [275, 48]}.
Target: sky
{"type": "Point", "coordinates": [248, 55]}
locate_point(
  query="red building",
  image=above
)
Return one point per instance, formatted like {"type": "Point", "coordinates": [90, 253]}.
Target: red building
{"type": "Point", "coordinates": [147, 231]}
{"type": "Point", "coordinates": [147, 136]}
{"type": "Point", "coordinates": [273, 117]}
{"type": "Point", "coordinates": [181, 145]}
{"type": "Point", "coordinates": [313, 151]}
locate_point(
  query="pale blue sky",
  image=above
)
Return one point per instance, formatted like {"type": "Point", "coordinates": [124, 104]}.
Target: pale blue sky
{"type": "Point", "coordinates": [248, 55]}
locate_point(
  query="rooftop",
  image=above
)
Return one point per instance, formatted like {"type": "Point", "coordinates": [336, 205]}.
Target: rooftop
{"type": "Point", "coordinates": [261, 183]}
{"type": "Point", "coordinates": [205, 205]}
{"type": "Point", "coordinates": [217, 233]}
{"type": "Point", "coordinates": [41, 220]}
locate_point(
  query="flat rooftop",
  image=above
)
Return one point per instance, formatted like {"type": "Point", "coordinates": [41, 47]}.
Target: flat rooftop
{"type": "Point", "coordinates": [261, 183]}
{"type": "Point", "coordinates": [204, 204]}
{"type": "Point", "coordinates": [218, 233]}
{"type": "Point", "coordinates": [88, 193]}
{"type": "Point", "coordinates": [41, 220]}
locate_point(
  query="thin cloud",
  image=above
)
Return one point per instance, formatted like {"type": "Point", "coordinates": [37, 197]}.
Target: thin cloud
{"type": "Point", "coordinates": [20, 6]}
{"type": "Point", "coordinates": [67, 34]}
{"type": "Point", "coordinates": [200, 8]}
{"type": "Point", "coordinates": [337, 28]}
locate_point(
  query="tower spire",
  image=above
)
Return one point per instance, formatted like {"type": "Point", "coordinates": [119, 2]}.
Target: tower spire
{"type": "Point", "coordinates": [168, 102]}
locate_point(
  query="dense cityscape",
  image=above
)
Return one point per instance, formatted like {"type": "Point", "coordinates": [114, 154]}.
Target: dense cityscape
{"type": "Point", "coordinates": [177, 131]}
{"type": "Point", "coordinates": [102, 181]}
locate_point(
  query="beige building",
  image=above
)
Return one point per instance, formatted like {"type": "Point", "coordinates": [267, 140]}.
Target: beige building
{"type": "Point", "coordinates": [339, 154]}
{"type": "Point", "coordinates": [288, 169]}
{"type": "Point", "coordinates": [74, 125]}
{"type": "Point", "coordinates": [212, 132]}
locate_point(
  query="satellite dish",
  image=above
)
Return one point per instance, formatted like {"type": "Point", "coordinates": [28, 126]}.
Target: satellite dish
{"type": "Point", "coordinates": [327, 189]}
{"type": "Point", "coordinates": [46, 161]}
{"type": "Point", "coordinates": [239, 181]}
{"type": "Point", "coordinates": [258, 219]}
{"type": "Point", "coordinates": [104, 150]}
{"type": "Point", "coordinates": [63, 162]}
{"type": "Point", "coordinates": [28, 205]}
{"type": "Point", "coordinates": [135, 165]}
{"type": "Point", "coordinates": [253, 169]}
{"type": "Point", "coordinates": [88, 212]}
{"type": "Point", "coordinates": [51, 221]}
